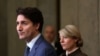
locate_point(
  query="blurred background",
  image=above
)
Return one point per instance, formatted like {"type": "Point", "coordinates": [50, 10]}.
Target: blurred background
{"type": "Point", "coordinates": [85, 14]}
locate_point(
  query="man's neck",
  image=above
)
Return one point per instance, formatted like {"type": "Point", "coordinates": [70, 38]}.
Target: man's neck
{"type": "Point", "coordinates": [31, 37]}
{"type": "Point", "coordinates": [32, 42]}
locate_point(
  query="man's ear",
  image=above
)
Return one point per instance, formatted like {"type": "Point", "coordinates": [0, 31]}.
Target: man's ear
{"type": "Point", "coordinates": [37, 26]}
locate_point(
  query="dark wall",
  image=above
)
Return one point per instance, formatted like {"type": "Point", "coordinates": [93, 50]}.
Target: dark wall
{"type": "Point", "coordinates": [3, 28]}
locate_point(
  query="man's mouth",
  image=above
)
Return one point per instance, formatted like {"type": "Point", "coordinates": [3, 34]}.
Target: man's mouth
{"type": "Point", "coordinates": [21, 33]}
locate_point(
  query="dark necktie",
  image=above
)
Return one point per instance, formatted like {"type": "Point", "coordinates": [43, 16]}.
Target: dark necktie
{"type": "Point", "coordinates": [27, 51]}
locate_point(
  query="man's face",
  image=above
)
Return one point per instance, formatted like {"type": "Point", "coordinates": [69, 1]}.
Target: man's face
{"type": "Point", "coordinates": [25, 28]}
{"type": "Point", "coordinates": [49, 34]}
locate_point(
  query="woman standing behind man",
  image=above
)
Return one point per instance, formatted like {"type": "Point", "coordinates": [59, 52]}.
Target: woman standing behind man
{"type": "Point", "coordinates": [71, 41]}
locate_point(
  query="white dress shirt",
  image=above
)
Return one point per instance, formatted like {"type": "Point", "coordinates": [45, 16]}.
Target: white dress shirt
{"type": "Point", "coordinates": [32, 42]}
{"type": "Point", "coordinates": [53, 44]}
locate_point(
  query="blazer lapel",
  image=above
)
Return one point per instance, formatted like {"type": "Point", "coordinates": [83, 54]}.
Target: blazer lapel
{"type": "Point", "coordinates": [33, 51]}
{"type": "Point", "coordinates": [25, 54]}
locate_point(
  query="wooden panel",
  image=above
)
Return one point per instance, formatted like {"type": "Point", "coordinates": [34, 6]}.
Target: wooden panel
{"type": "Point", "coordinates": [26, 3]}
{"type": "Point", "coordinates": [88, 23]}
{"type": "Point", "coordinates": [48, 8]}
{"type": "Point", "coordinates": [99, 23]}
{"type": "Point", "coordinates": [69, 12]}
{"type": "Point", "coordinates": [3, 28]}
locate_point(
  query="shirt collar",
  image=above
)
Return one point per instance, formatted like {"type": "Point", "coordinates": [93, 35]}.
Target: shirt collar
{"type": "Point", "coordinates": [32, 42]}
{"type": "Point", "coordinates": [69, 52]}
{"type": "Point", "coordinates": [53, 44]}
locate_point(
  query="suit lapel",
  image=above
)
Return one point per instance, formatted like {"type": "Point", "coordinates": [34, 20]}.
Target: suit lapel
{"type": "Point", "coordinates": [34, 48]}
{"type": "Point", "coordinates": [25, 54]}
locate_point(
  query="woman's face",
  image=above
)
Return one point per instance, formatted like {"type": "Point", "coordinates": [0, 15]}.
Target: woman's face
{"type": "Point", "coordinates": [67, 43]}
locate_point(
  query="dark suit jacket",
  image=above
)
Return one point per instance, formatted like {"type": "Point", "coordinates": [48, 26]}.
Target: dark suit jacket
{"type": "Point", "coordinates": [78, 52]}
{"type": "Point", "coordinates": [58, 47]}
{"type": "Point", "coordinates": [42, 48]}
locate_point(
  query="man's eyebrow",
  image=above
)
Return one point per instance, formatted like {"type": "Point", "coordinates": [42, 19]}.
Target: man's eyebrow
{"type": "Point", "coordinates": [24, 21]}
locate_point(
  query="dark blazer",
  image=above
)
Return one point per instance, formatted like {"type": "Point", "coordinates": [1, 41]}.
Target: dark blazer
{"type": "Point", "coordinates": [42, 48]}
{"type": "Point", "coordinates": [58, 47]}
{"type": "Point", "coordinates": [78, 52]}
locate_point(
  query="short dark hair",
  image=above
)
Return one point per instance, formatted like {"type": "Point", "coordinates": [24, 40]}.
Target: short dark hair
{"type": "Point", "coordinates": [33, 14]}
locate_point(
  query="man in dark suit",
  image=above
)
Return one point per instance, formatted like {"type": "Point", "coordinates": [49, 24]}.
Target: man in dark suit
{"type": "Point", "coordinates": [29, 27]}
{"type": "Point", "coordinates": [51, 36]}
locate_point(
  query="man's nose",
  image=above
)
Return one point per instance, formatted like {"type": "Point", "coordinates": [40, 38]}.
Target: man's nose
{"type": "Point", "coordinates": [19, 28]}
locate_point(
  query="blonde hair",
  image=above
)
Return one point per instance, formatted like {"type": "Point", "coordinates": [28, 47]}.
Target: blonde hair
{"type": "Point", "coordinates": [72, 32]}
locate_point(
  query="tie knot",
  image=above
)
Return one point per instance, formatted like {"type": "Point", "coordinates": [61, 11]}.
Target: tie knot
{"type": "Point", "coordinates": [28, 50]}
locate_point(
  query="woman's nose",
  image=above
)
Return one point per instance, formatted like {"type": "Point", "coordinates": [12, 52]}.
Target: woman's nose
{"type": "Point", "coordinates": [61, 39]}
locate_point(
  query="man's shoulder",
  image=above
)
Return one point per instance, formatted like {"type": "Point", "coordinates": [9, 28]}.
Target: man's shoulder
{"type": "Point", "coordinates": [41, 42]}
{"type": "Point", "coordinates": [45, 44]}
{"type": "Point", "coordinates": [43, 47]}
